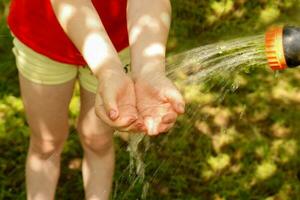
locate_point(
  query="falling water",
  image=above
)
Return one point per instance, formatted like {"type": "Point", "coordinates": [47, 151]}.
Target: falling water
{"type": "Point", "coordinates": [206, 65]}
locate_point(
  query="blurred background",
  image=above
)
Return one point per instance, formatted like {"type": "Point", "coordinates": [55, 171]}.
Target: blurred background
{"type": "Point", "coordinates": [245, 147]}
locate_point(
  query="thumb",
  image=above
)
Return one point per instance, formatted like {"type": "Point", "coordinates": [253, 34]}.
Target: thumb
{"type": "Point", "coordinates": [176, 100]}
{"type": "Point", "coordinates": [109, 98]}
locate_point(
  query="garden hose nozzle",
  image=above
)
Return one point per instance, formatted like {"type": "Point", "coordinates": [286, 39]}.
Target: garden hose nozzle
{"type": "Point", "coordinates": [283, 47]}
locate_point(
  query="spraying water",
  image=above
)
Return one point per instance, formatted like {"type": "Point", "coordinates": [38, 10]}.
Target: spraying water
{"type": "Point", "coordinates": [224, 58]}
{"type": "Point", "coordinates": [207, 65]}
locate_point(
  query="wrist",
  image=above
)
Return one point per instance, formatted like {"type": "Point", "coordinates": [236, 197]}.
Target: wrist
{"type": "Point", "coordinates": [148, 69]}
{"type": "Point", "coordinates": [108, 69]}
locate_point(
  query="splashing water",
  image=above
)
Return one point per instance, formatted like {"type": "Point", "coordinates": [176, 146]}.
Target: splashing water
{"type": "Point", "coordinates": [207, 65]}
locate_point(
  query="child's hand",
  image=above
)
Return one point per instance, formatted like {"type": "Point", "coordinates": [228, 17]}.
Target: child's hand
{"type": "Point", "coordinates": [115, 101]}
{"type": "Point", "coordinates": [158, 102]}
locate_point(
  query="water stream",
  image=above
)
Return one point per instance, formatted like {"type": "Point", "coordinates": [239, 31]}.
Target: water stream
{"type": "Point", "coordinates": [210, 65]}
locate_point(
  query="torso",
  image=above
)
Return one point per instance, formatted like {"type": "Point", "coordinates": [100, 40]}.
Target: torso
{"type": "Point", "coordinates": [33, 22]}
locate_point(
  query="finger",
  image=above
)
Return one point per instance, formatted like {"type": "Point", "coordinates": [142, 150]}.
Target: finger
{"type": "Point", "coordinates": [127, 110]}
{"type": "Point", "coordinates": [124, 121]}
{"type": "Point", "coordinates": [109, 98]}
{"type": "Point", "coordinates": [163, 128]}
{"type": "Point", "coordinates": [100, 110]}
{"type": "Point", "coordinates": [125, 118]}
{"type": "Point", "coordinates": [169, 118]}
{"type": "Point", "coordinates": [137, 127]}
{"type": "Point", "coordinates": [120, 122]}
{"type": "Point", "coordinates": [175, 98]}
{"type": "Point", "coordinates": [140, 126]}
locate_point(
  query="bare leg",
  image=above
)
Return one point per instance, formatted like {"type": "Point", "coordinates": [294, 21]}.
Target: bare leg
{"type": "Point", "coordinates": [47, 114]}
{"type": "Point", "coordinates": [97, 142]}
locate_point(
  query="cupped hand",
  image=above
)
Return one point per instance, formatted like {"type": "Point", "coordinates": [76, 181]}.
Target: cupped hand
{"type": "Point", "coordinates": [158, 102]}
{"type": "Point", "coordinates": [115, 101]}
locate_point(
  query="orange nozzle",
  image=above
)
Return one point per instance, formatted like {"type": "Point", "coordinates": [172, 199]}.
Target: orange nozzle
{"type": "Point", "coordinates": [274, 48]}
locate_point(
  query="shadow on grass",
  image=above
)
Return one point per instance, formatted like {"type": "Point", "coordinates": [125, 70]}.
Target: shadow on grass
{"type": "Point", "coordinates": [246, 147]}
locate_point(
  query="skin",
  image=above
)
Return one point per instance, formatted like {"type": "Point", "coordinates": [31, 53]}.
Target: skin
{"type": "Point", "coordinates": [48, 122]}
{"type": "Point", "coordinates": [145, 102]}
{"type": "Point", "coordinates": [158, 100]}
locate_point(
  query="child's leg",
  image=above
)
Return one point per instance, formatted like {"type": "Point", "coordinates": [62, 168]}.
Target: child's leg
{"type": "Point", "coordinates": [96, 139]}
{"type": "Point", "coordinates": [46, 109]}
{"type": "Point", "coordinates": [46, 89]}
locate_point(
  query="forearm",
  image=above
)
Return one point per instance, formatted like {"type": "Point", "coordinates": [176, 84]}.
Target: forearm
{"type": "Point", "coordinates": [82, 24]}
{"type": "Point", "coordinates": [148, 27]}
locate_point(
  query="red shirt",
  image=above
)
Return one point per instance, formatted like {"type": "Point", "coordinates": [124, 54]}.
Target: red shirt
{"type": "Point", "coordinates": [34, 23]}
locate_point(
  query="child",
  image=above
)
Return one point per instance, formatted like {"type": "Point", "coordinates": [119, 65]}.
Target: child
{"type": "Point", "coordinates": [54, 40]}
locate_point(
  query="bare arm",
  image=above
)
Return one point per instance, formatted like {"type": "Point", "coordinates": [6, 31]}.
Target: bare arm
{"type": "Point", "coordinates": [80, 21]}
{"type": "Point", "coordinates": [158, 100]}
{"type": "Point", "coordinates": [148, 27]}
{"type": "Point", "coordinates": [115, 98]}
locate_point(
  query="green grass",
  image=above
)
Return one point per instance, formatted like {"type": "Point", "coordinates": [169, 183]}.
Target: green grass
{"type": "Point", "coordinates": [243, 148]}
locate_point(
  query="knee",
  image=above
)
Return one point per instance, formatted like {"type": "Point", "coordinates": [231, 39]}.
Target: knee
{"type": "Point", "coordinates": [99, 142]}
{"type": "Point", "coordinates": [46, 148]}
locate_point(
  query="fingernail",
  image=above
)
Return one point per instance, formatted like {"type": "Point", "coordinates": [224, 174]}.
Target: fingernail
{"type": "Point", "coordinates": [113, 114]}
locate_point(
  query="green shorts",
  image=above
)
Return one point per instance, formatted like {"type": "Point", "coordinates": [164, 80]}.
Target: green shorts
{"type": "Point", "coordinates": [43, 70]}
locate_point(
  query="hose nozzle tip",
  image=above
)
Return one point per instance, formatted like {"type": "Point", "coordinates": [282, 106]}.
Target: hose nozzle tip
{"type": "Point", "coordinates": [274, 48]}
